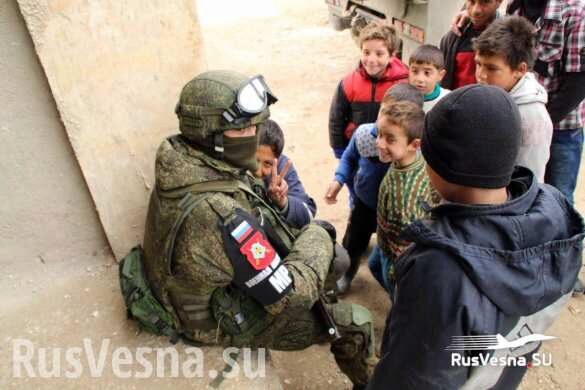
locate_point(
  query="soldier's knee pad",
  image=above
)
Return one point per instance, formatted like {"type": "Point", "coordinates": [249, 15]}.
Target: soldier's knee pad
{"type": "Point", "coordinates": [357, 330]}
{"type": "Point", "coordinates": [354, 351]}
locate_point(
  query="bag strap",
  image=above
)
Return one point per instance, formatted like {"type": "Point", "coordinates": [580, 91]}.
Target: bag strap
{"type": "Point", "coordinates": [228, 186]}
{"type": "Point", "coordinates": [198, 188]}
{"type": "Point", "coordinates": [186, 205]}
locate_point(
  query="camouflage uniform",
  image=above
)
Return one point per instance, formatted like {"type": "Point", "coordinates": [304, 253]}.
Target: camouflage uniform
{"type": "Point", "coordinates": [197, 283]}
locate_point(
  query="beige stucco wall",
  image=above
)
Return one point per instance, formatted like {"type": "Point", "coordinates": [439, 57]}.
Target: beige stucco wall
{"type": "Point", "coordinates": [115, 69]}
{"type": "Point", "coordinates": [45, 209]}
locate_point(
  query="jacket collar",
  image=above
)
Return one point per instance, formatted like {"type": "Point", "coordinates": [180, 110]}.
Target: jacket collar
{"type": "Point", "coordinates": [394, 71]}
{"type": "Point", "coordinates": [523, 189]}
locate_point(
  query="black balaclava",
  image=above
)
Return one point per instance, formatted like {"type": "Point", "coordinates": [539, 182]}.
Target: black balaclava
{"type": "Point", "coordinates": [237, 151]}
{"type": "Point", "coordinates": [241, 151]}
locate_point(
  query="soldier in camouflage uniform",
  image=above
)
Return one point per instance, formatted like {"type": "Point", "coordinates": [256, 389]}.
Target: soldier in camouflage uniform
{"type": "Point", "coordinates": [219, 257]}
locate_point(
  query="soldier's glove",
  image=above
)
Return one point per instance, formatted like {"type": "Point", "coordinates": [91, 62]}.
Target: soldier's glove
{"type": "Point", "coordinates": [328, 227]}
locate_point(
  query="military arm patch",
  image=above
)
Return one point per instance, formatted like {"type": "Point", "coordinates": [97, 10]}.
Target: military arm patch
{"type": "Point", "coordinates": [258, 269]}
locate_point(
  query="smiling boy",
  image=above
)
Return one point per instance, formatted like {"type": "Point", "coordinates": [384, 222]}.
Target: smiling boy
{"type": "Point", "coordinates": [284, 188]}
{"type": "Point", "coordinates": [357, 97]}
{"type": "Point", "coordinates": [405, 186]}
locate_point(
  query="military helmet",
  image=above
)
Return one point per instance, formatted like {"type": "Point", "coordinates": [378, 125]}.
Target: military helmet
{"type": "Point", "coordinates": [216, 101]}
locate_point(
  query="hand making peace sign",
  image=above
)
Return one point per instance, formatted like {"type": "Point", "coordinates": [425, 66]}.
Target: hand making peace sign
{"type": "Point", "coordinates": [278, 188]}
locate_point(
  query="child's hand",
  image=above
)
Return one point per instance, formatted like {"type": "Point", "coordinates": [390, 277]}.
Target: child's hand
{"type": "Point", "coordinates": [278, 188]}
{"type": "Point", "coordinates": [332, 191]}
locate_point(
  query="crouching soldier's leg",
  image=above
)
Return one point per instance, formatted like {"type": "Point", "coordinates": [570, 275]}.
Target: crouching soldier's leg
{"type": "Point", "coordinates": [354, 351]}
{"type": "Point", "coordinates": [246, 324]}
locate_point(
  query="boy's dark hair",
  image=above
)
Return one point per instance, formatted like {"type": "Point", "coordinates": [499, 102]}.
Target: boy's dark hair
{"type": "Point", "coordinates": [403, 92]}
{"type": "Point", "coordinates": [428, 54]}
{"type": "Point", "coordinates": [512, 37]}
{"type": "Point", "coordinates": [270, 134]}
{"type": "Point", "coordinates": [379, 31]}
{"type": "Point", "coordinates": [406, 115]}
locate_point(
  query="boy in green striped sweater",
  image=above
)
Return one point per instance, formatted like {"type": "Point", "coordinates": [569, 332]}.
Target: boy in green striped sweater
{"type": "Point", "coordinates": [405, 186]}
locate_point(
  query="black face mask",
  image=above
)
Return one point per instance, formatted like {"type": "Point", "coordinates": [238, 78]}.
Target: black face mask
{"type": "Point", "coordinates": [241, 151]}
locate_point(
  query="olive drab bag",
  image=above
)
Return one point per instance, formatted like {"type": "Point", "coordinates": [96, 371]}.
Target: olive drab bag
{"type": "Point", "coordinates": [141, 303]}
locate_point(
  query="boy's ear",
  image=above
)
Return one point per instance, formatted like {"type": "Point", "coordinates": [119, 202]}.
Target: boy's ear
{"type": "Point", "coordinates": [415, 143]}
{"type": "Point", "coordinates": [523, 67]}
{"type": "Point", "coordinates": [521, 70]}
{"type": "Point", "coordinates": [442, 74]}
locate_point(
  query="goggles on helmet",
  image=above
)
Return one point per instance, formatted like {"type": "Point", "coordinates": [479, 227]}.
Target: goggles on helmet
{"type": "Point", "coordinates": [252, 98]}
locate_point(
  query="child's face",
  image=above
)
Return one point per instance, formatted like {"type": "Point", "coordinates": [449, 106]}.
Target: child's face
{"type": "Point", "coordinates": [481, 12]}
{"type": "Point", "coordinates": [424, 77]}
{"type": "Point", "coordinates": [392, 142]}
{"type": "Point", "coordinates": [375, 57]}
{"type": "Point", "coordinates": [494, 70]}
{"type": "Point", "coordinates": [265, 158]}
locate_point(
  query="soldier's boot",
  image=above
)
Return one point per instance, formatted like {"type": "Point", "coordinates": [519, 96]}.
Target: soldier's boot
{"type": "Point", "coordinates": [344, 283]}
{"type": "Point", "coordinates": [354, 351]}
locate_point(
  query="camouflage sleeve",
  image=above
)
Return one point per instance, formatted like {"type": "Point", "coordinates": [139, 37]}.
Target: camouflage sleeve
{"type": "Point", "coordinates": [308, 263]}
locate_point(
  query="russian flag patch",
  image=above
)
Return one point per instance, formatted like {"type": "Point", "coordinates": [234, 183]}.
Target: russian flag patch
{"type": "Point", "coordinates": [242, 231]}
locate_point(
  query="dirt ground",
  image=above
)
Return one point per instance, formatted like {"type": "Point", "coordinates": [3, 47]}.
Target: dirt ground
{"type": "Point", "coordinates": [303, 59]}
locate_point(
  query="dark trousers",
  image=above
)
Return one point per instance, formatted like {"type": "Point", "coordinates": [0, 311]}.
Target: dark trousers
{"type": "Point", "coordinates": [359, 230]}
{"type": "Point", "coordinates": [563, 165]}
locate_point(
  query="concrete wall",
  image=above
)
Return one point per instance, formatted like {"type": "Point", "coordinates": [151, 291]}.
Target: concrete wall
{"type": "Point", "coordinates": [115, 69]}
{"type": "Point", "coordinates": [45, 207]}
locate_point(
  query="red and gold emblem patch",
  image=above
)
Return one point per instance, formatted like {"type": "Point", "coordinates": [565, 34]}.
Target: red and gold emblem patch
{"type": "Point", "coordinates": [258, 251]}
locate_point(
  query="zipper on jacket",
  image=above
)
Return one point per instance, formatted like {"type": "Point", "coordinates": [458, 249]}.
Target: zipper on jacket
{"type": "Point", "coordinates": [374, 83]}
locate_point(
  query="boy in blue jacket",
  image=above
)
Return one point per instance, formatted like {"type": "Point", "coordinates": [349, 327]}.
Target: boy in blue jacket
{"type": "Point", "coordinates": [496, 262]}
{"type": "Point", "coordinates": [285, 189]}
{"type": "Point", "coordinates": [361, 166]}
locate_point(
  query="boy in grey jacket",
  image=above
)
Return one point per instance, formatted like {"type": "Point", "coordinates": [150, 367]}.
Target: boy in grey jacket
{"type": "Point", "coordinates": [504, 53]}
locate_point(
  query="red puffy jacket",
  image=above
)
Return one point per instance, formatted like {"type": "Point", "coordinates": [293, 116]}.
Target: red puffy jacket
{"type": "Point", "coordinates": [357, 100]}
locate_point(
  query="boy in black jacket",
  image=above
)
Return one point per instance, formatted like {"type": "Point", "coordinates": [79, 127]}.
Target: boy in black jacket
{"type": "Point", "coordinates": [458, 51]}
{"type": "Point", "coordinates": [496, 262]}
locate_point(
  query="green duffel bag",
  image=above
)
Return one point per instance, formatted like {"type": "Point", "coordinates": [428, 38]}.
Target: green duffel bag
{"type": "Point", "coordinates": [141, 303]}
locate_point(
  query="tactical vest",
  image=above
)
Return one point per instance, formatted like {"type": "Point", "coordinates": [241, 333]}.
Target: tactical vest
{"type": "Point", "coordinates": [189, 303]}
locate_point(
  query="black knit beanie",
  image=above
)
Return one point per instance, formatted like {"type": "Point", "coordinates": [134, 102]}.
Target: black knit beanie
{"type": "Point", "coordinates": [472, 136]}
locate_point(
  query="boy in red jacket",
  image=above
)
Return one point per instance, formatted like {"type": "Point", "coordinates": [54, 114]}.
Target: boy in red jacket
{"type": "Point", "coordinates": [357, 98]}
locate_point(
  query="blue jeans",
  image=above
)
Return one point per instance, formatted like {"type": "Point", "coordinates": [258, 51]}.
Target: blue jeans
{"type": "Point", "coordinates": [379, 266]}
{"type": "Point", "coordinates": [562, 168]}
